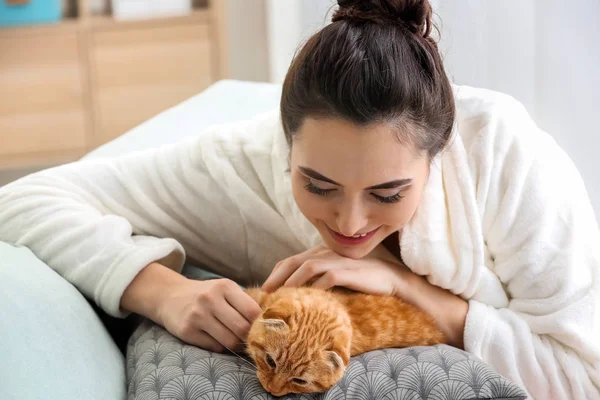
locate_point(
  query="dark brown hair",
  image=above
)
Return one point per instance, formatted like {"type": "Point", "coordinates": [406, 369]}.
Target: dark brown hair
{"type": "Point", "coordinates": [376, 62]}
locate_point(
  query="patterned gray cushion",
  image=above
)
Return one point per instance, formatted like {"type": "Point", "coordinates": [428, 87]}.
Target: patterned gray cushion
{"type": "Point", "coordinates": [159, 366]}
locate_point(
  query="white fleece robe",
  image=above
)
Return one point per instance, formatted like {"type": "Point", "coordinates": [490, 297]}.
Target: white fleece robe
{"type": "Point", "coordinates": [505, 222]}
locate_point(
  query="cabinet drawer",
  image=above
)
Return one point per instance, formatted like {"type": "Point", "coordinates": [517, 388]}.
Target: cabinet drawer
{"type": "Point", "coordinates": [138, 73]}
{"type": "Point", "coordinates": [41, 100]}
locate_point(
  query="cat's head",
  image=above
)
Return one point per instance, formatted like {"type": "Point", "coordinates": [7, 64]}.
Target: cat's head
{"type": "Point", "coordinates": [299, 348]}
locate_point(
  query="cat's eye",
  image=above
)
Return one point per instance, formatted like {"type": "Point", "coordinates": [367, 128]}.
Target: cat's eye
{"type": "Point", "coordinates": [270, 361]}
{"type": "Point", "coordinates": [299, 381]}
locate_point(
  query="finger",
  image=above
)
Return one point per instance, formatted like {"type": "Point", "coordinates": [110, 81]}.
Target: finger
{"type": "Point", "coordinates": [220, 333]}
{"type": "Point", "coordinates": [248, 308]}
{"type": "Point", "coordinates": [232, 319]}
{"type": "Point", "coordinates": [287, 267]}
{"type": "Point", "coordinates": [358, 279]}
{"type": "Point", "coordinates": [308, 271]}
{"type": "Point", "coordinates": [278, 265]}
{"type": "Point", "coordinates": [203, 340]}
{"type": "Point", "coordinates": [339, 277]}
{"type": "Point", "coordinates": [282, 271]}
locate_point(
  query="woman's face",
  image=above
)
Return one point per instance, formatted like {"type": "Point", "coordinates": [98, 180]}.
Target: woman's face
{"type": "Point", "coordinates": [356, 185]}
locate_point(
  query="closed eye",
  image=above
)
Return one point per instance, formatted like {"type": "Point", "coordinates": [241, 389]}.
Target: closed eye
{"type": "Point", "coordinates": [311, 187]}
{"type": "Point", "coordinates": [299, 381]}
{"type": "Point", "coordinates": [388, 199]}
{"type": "Point", "coordinates": [270, 361]}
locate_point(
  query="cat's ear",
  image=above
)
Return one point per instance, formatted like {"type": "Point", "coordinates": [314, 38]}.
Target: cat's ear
{"type": "Point", "coordinates": [340, 349]}
{"type": "Point", "coordinates": [276, 318]}
{"type": "Point", "coordinates": [335, 361]}
{"type": "Point", "coordinates": [278, 325]}
{"type": "Point", "coordinates": [277, 311]}
{"type": "Point", "coordinates": [338, 354]}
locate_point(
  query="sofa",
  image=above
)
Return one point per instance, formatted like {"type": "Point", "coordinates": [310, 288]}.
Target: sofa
{"type": "Point", "coordinates": [55, 344]}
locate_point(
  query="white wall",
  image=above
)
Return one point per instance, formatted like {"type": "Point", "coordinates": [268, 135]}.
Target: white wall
{"type": "Point", "coordinates": [289, 24]}
{"type": "Point", "coordinates": [284, 29]}
{"type": "Point", "coordinates": [568, 83]}
{"type": "Point", "coordinates": [248, 45]}
{"type": "Point", "coordinates": [546, 53]}
{"type": "Point", "coordinates": [315, 15]}
{"type": "Point", "coordinates": [478, 45]}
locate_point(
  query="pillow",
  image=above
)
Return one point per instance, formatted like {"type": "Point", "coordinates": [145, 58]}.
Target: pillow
{"type": "Point", "coordinates": [160, 366]}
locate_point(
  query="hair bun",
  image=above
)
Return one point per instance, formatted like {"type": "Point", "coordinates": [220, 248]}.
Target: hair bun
{"type": "Point", "coordinates": [413, 14]}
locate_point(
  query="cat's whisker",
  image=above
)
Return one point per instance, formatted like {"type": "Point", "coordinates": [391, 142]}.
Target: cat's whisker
{"type": "Point", "coordinates": [242, 358]}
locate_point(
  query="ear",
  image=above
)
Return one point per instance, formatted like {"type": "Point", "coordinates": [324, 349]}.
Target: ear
{"type": "Point", "coordinates": [341, 348]}
{"type": "Point", "coordinates": [278, 311]}
{"type": "Point", "coordinates": [276, 318]}
{"type": "Point", "coordinates": [277, 325]}
{"type": "Point", "coordinates": [335, 361]}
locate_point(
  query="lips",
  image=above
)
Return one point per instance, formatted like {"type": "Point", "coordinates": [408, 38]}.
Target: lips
{"type": "Point", "coordinates": [352, 241]}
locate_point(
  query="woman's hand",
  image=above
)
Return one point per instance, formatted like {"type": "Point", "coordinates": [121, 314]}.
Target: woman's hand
{"type": "Point", "coordinates": [323, 268]}
{"type": "Point", "coordinates": [378, 273]}
{"type": "Point", "coordinates": [213, 315]}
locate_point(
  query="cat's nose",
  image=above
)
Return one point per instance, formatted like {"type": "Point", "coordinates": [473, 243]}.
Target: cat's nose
{"type": "Point", "coordinates": [276, 393]}
{"type": "Point", "coordinates": [275, 388]}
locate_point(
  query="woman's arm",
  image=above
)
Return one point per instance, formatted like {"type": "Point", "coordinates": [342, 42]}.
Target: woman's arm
{"type": "Point", "coordinates": [448, 310]}
{"type": "Point", "coordinates": [543, 237]}
{"type": "Point", "coordinates": [98, 223]}
{"type": "Point", "coordinates": [145, 293]}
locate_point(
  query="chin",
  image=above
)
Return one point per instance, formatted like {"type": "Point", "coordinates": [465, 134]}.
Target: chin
{"type": "Point", "coordinates": [353, 252]}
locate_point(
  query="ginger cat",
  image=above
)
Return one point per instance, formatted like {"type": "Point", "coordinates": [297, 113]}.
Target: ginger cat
{"type": "Point", "coordinates": [305, 337]}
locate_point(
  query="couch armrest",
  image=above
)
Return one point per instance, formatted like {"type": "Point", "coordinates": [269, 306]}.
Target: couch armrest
{"type": "Point", "coordinates": [53, 345]}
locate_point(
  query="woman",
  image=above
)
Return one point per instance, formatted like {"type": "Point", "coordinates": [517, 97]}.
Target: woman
{"type": "Point", "coordinates": [374, 160]}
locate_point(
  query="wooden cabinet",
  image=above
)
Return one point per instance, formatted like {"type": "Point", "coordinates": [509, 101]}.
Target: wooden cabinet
{"type": "Point", "coordinates": [140, 72]}
{"type": "Point", "coordinates": [41, 97]}
{"type": "Point", "coordinates": [68, 88]}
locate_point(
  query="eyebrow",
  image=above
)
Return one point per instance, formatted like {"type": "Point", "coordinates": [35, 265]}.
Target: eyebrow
{"type": "Point", "coordinates": [387, 185]}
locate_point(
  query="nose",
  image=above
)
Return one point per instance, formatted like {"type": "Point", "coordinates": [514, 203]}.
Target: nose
{"type": "Point", "coordinates": [278, 394]}
{"type": "Point", "coordinates": [351, 217]}
{"type": "Point", "coordinates": [275, 386]}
